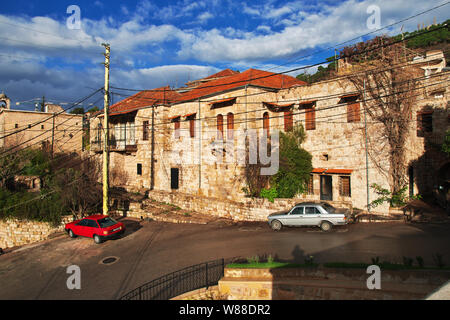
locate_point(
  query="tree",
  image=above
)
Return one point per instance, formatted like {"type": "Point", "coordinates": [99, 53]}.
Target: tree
{"type": "Point", "coordinates": [389, 93]}
{"type": "Point", "coordinates": [446, 144]}
{"type": "Point", "coordinates": [79, 110]}
{"type": "Point", "coordinates": [77, 184]}
{"type": "Point", "coordinates": [295, 166]}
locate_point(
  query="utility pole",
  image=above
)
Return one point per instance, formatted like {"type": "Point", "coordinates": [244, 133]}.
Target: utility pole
{"type": "Point", "coordinates": [367, 154]}
{"type": "Point", "coordinates": [152, 164]}
{"type": "Point", "coordinates": [106, 136]}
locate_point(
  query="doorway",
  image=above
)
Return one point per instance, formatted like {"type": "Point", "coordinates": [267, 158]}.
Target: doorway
{"type": "Point", "coordinates": [326, 189]}
{"type": "Point", "coordinates": [174, 178]}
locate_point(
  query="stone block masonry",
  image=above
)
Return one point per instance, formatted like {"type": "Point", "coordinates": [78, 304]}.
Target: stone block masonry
{"type": "Point", "coordinates": [249, 209]}
{"type": "Point", "coordinates": [14, 232]}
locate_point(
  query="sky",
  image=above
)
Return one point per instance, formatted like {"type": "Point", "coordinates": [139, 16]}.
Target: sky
{"type": "Point", "coordinates": [44, 52]}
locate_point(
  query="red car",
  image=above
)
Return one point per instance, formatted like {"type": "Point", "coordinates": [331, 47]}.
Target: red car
{"type": "Point", "coordinates": [97, 226]}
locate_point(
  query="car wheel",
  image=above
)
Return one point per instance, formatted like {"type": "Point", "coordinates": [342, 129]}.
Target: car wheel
{"type": "Point", "coordinates": [325, 226]}
{"type": "Point", "coordinates": [97, 239]}
{"type": "Point", "coordinates": [276, 225]}
{"type": "Point", "coordinates": [71, 234]}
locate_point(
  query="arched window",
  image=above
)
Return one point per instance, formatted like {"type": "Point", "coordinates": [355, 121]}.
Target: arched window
{"type": "Point", "coordinates": [266, 123]}
{"type": "Point", "coordinates": [230, 126]}
{"type": "Point", "coordinates": [219, 127]}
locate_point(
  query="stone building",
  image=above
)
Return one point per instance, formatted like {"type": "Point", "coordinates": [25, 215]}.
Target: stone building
{"type": "Point", "coordinates": [64, 130]}
{"type": "Point", "coordinates": [190, 141]}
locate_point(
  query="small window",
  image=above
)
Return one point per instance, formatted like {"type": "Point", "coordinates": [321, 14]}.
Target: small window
{"type": "Point", "coordinates": [297, 210]}
{"type": "Point", "coordinates": [42, 126]}
{"type": "Point", "coordinates": [139, 169]}
{"type": "Point", "coordinates": [344, 186]}
{"type": "Point", "coordinates": [16, 125]}
{"type": "Point", "coordinates": [29, 126]}
{"type": "Point", "coordinates": [145, 130]}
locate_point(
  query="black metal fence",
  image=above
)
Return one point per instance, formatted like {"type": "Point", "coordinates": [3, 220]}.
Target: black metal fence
{"type": "Point", "coordinates": [176, 283]}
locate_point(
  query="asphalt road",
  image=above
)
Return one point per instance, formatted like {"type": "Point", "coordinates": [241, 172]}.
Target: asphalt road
{"type": "Point", "coordinates": [151, 249]}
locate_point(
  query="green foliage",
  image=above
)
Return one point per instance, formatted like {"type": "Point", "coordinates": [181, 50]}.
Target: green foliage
{"type": "Point", "coordinates": [59, 195]}
{"type": "Point", "coordinates": [295, 164]}
{"type": "Point", "coordinates": [269, 194]}
{"type": "Point", "coordinates": [420, 261]}
{"type": "Point", "coordinates": [93, 109]}
{"type": "Point", "coordinates": [36, 162]}
{"type": "Point", "coordinates": [438, 260]}
{"type": "Point", "coordinates": [79, 110]}
{"type": "Point", "coordinates": [446, 144]}
{"type": "Point", "coordinates": [395, 199]}
{"type": "Point", "coordinates": [23, 205]}
{"type": "Point", "coordinates": [422, 39]}
{"type": "Point", "coordinates": [322, 73]}
{"type": "Point", "coordinates": [408, 262]}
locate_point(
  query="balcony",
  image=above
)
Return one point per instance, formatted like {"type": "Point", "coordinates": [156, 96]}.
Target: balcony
{"type": "Point", "coordinates": [114, 146]}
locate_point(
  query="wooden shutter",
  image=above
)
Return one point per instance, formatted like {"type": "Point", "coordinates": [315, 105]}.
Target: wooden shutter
{"type": "Point", "coordinates": [230, 126]}
{"type": "Point", "coordinates": [266, 123]}
{"type": "Point", "coordinates": [353, 113]}
{"type": "Point", "coordinates": [310, 118]}
{"type": "Point", "coordinates": [145, 130]}
{"type": "Point", "coordinates": [219, 127]}
{"type": "Point", "coordinates": [192, 127]}
{"type": "Point", "coordinates": [344, 186]}
{"type": "Point", "coordinates": [288, 120]}
{"type": "Point", "coordinates": [177, 127]}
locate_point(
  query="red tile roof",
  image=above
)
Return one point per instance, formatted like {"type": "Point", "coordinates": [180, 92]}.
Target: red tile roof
{"type": "Point", "coordinates": [223, 73]}
{"type": "Point", "coordinates": [251, 77]}
{"type": "Point", "coordinates": [147, 98]}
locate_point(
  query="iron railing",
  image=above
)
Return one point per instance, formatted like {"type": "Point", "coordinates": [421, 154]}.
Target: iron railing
{"type": "Point", "coordinates": [176, 283]}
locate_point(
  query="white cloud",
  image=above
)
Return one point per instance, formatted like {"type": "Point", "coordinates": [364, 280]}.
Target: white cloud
{"type": "Point", "coordinates": [205, 16]}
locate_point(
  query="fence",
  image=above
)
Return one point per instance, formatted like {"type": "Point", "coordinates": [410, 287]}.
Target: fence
{"type": "Point", "coordinates": [173, 284]}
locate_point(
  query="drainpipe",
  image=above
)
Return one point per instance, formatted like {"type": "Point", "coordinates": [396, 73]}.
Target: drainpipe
{"type": "Point", "coordinates": [367, 154]}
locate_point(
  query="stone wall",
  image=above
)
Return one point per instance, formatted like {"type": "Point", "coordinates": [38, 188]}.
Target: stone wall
{"type": "Point", "coordinates": [15, 232]}
{"type": "Point", "coordinates": [327, 284]}
{"type": "Point", "coordinates": [249, 209]}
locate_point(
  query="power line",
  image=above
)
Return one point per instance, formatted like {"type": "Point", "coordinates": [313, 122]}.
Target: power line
{"type": "Point", "coordinates": [54, 114]}
{"type": "Point", "coordinates": [291, 70]}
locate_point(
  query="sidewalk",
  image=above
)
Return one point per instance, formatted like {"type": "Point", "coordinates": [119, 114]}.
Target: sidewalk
{"type": "Point", "coordinates": [416, 211]}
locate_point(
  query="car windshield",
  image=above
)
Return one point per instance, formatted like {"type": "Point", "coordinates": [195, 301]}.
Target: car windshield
{"type": "Point", "coordinates": [328, 207]}
{"type": "Point", "coordinates": [106, 222]}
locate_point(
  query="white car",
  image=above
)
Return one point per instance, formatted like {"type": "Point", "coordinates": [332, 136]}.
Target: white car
{"type": "Point", "coordinates": [321, 215]}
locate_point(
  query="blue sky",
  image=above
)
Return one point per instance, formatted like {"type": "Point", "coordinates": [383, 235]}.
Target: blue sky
{"type": "Point", "coordinates": [157, 43]}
